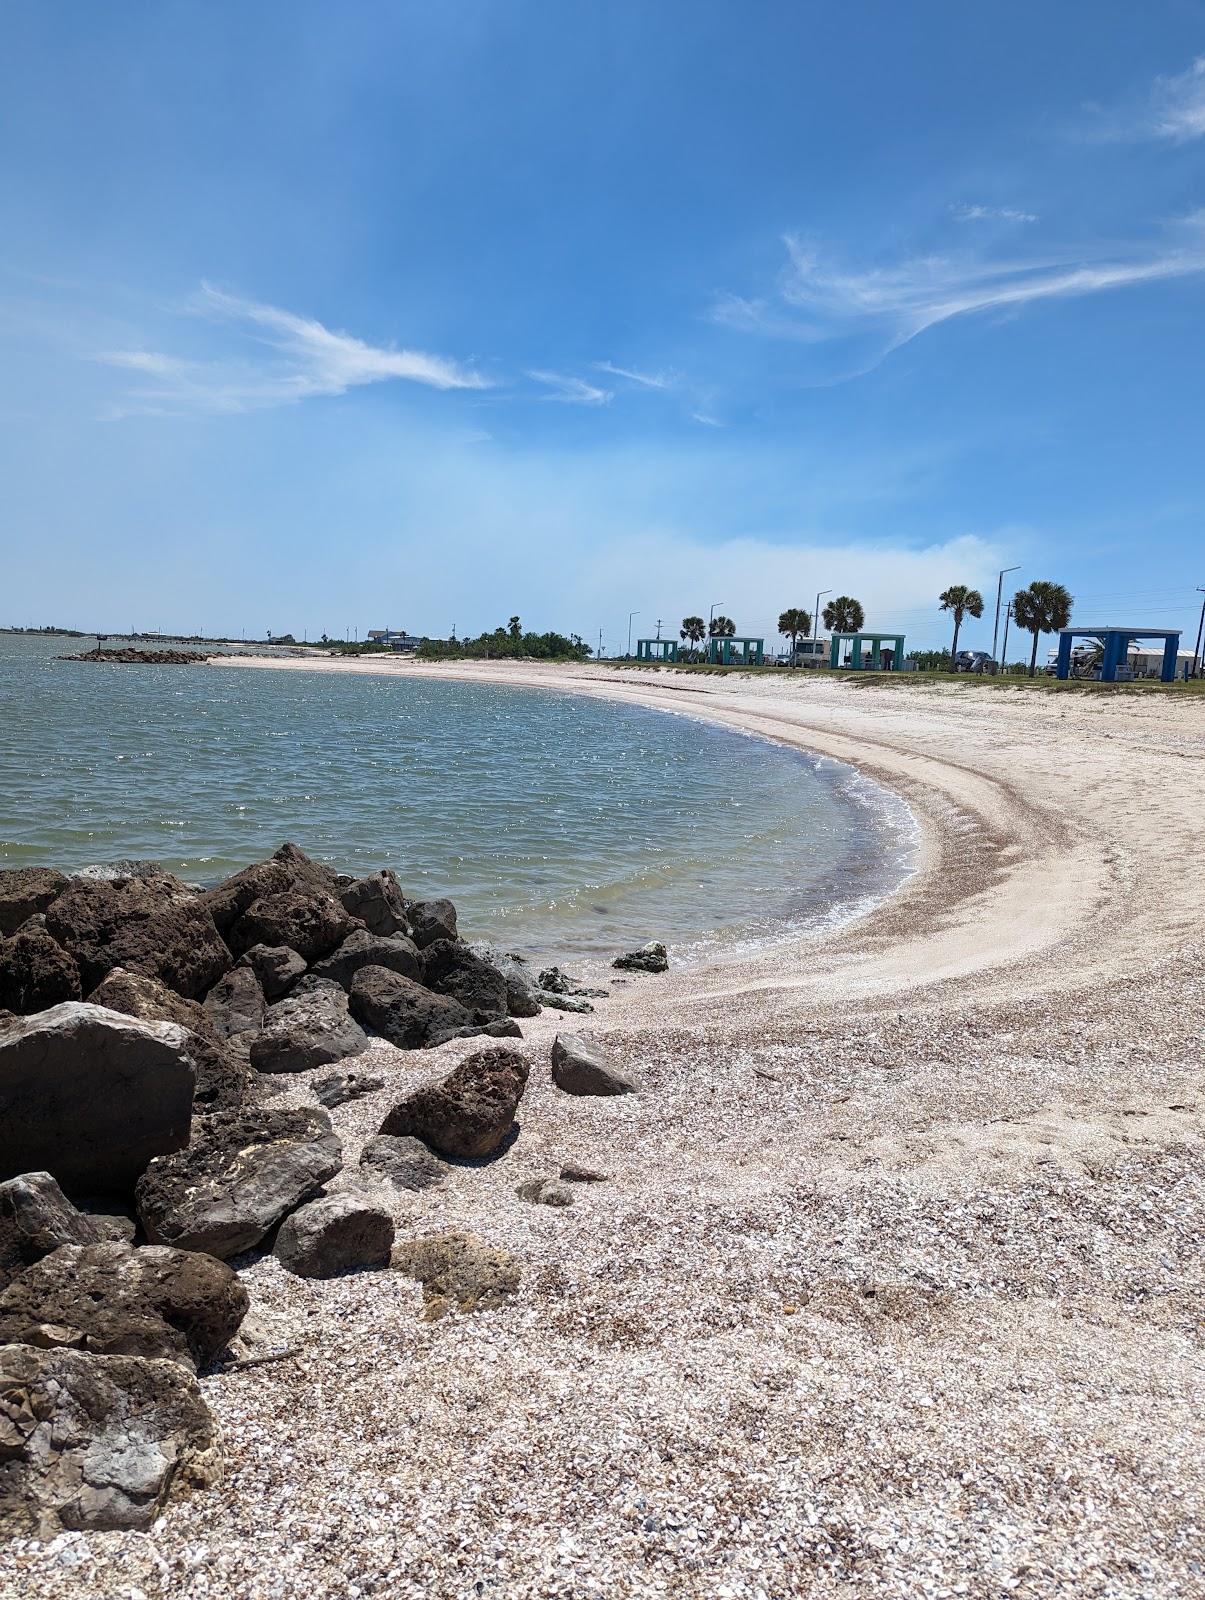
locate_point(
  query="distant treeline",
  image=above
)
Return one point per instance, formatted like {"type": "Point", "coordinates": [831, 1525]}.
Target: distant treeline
{"type": "Point", "coordinates": [510, 641]}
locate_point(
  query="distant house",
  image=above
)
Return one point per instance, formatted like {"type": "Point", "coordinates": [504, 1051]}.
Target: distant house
{"type": "Point", "coordinates": [394, 638]}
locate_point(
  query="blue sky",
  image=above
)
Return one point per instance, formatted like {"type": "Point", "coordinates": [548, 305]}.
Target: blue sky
{"type": "Point", "coordinates": [318, 317]}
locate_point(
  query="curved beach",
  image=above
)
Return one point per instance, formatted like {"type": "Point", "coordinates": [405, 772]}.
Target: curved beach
{"type": "Point", "coordinates": [894, 1285]}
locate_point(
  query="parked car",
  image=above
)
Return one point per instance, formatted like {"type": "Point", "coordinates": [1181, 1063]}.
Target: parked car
{"type": "Point", "coordinates": [974, 661]}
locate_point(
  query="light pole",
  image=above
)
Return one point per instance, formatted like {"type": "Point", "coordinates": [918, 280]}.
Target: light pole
{"type": "Point", "coordinates": [711, 613]}
{"type": "Point", "coordinates": [631, 614]}
{"type": "Point", "coordinates": [999, 592]}
{"type": "Point", "coordinates": [1008, 611]}
{"type": "Point", "coordinates": [1196, 655]}
{"type": "Point", "coordinates": [816, 614]}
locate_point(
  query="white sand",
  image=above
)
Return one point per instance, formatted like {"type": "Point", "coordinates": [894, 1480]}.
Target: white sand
{"type": "Point", "coordinates": [896, 1288]}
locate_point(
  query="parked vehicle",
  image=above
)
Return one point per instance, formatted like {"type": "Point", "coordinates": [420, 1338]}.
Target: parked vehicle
{"type": "Point", "coordinates": [974, 661]}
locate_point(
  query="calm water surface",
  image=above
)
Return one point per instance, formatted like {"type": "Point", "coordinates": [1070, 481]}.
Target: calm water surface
{"type": "Point", "coordinates": [559, 824]}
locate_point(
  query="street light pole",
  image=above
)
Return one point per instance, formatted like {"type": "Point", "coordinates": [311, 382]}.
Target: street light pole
{"type": "Point", "coordinates": [999, 593]}
{"type": "Point", "coordinates": [816, 614]}
{"type": "Point", "coordinates": [1196, 655]}
{"type": "Point", "coordinates": [631, 614]}
{"type": "Point", "coordinates": [1007, 613]}
{"type": "Point", "coordinates": [711, 613]}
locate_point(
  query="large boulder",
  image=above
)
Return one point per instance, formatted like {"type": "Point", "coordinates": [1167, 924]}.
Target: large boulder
{"type": "Point", "coordinates": [276, 966]}
{"type": "Point", "coordinates": [335, 1234]}
{"type": "Point", "coordinates": [452, 968]}
{"type": "Point", "coordinates": [377, 901]}
{"type": "Point", "coordinates": [113, 1300]}
{"type": "Point", "coordinates": [364, 949]}
{"type": "Point", "coordinates": [95, 1442]}
{"type": "Point", "coordinates": [91, 1096]}
{"type": "Point", "coordinates": [35, 971]}
{"type": "Point", "coordinates": [236, 1003]}
{"type": "Point", "coordinates": [309, 1028]}
{"type": "Point", "coordinates": [470, 1112]}
{"type": "Point", "coordinates": [289, 868]}
{"type": "Point", "coordinates": [312, 924]}
{"type": "Point", "coordinates": [155, 926]}
{"type": "Point", "coordinates": [521, 1000]}
{"type": "Point", "coordinates": [24, 891]}
{"type": "Point", "coordinates": [223, 1079]}
{"type": "Point", "coordinates": [36, 1217]}
{"type": "Point", "coordinates": [242, 1173]}
{"type": "Point", "coordinates": [401, 1010]}
{"type": "Point", "coordinates": [579, 1066]}
{"type": "Point", "coordinates": [430, 920]}
{"type": "Point", "coordinates": [458, 1271]}
{"type": "Point", "coordinates": [406, 1163]}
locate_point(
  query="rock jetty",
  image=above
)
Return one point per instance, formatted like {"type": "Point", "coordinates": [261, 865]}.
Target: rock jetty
{"type": "Point", "coordinates": [129, 656]}
{"type": "Point", "coordinates": [145, 1024]}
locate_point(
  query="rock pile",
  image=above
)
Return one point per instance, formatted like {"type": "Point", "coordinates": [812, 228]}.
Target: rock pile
{"type": "Point", "coordinates": [140, 1019]}
{"type": "Point", "coordinates": [129, 656]}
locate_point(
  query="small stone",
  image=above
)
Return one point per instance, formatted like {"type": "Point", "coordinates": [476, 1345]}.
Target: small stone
{"type": "Point", "coordinates": [341, 1087]}
{"type": "Point", "coordinates": [545, 1192]}
{"type": "Point", "coordinates": [651, 957]}
{"type": "Point", "coordinates": [579, 1066]}
{"type": "Point", "coordinates": [335, 1234]}
{"type": "Point", "coordinates": [405, 1162]}
{"type": "Point", "coordinates": [571, 1172]}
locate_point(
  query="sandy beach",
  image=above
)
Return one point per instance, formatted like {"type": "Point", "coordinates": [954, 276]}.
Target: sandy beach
{"type": "Point", "coordinates": [894, 1287]}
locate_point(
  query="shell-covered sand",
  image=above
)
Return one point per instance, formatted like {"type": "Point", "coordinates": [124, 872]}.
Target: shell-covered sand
{"type": "Point", "coordinates": [895, 1287]}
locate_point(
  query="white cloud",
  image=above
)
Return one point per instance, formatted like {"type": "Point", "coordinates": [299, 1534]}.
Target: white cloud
{"type": "Point", "coordinates": [706, 420]}
{"type": "Point", "coordinates": [819, 301]}
{"type": "Point", "coordinates": [646, 380]}
{"type": "Point", "coordinates": [573, 391]}
{"type": "Point", "coordinates": [1179, 104]}
{"type": "Point", "coordinates": [303, 359]}
{"type": "Point", "coordinates": [978, 213]}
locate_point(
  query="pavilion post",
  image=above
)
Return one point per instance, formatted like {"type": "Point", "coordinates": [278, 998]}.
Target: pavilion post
{"type": "Point", "coordinates": [1169, 657]}
{"type": "Point", "coordinates": [1063, 669]}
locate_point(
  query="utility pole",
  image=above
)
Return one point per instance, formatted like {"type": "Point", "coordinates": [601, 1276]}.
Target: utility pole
{"type": "Point", "coordinates": [816, 615]}
{"type": "Point", "coordinates": [659, 627]}
{"type": "Point", "coordinates": [1004, 652]}
{"type": "Point", "coordinates": [1196, 655]}
{"type": "Point", "coordinates": [999, 593]}
{"type": "Point", "coordinates": [631, 614]}
{"type": "Point", "coordinates": [598, 657]}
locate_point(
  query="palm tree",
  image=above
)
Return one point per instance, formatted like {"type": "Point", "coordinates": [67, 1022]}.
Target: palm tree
{"type": "Point", "coordinates": [515, 628]}
{"type": "Point", "coordinates": [843, 615]}
{"type": "Point", "coordinates": [962, 602]}
{"type": "Point", "coordinates": [722, 627]}
{"type": "Point", "coordinates": [794, 621]}
{"type": "Point", "coordinates": [694, 631]}
{"type": "Point", "coordinates": [1042, 608]}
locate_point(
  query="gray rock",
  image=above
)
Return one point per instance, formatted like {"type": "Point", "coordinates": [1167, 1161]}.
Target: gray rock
{"type": "Point", "coordinates": [114, 1222]}
{"type": "Point", "coordinates": [502, 1028]}
{"type": "Point", "coordinates": [35, 971]}
{"type": "Point", "coordinates": [453, 969]}
{"type": "Point", "coordinates": [431, 920]}
{"type": "Point", "coordinates": [289, 868]}
{"type": "Point", "coordinates": [311, 924]}
{"type": "Point", "coordinates": [36, 1217]}
{"type": "Point", "coordinates": [276, 966]}
{"type": "Point", "coordinates": [223, 1080]}
{"type": "Point", "coordinates": [521, 998]}
{"type": "Point", "coordinates": [242, 1174]}
{"type": "Point", "coordinates": [335, 1234]}
{"type": "Point", "coordinates": [395, 953]}
{"type": "Point", "coordinates": [545, 1192]}
{"type": "Point", "coordinates": [97, 1442]}
{"type": "Point", "coordinates": [236, 1003]}
{"type": "Point", "coordinates": [572, 1172]}
{"type": "Point", "coordinates": [24, 891]}
{"type": "Point", "coordinates": [404, 1162]}
{"type": "Point", "coordinates": [470, 1112]}
{"type": "Point", "coordinates": [91, 1095]}
{"type": "Point", "coordinates": [110, 1299]}
{"type": "Point", "coordinates": [309, 1028]}
{"type": "Point", "coordinates": [401, 1010]}
{"type": "Point", "coordinates": [341, 1087]}
{"type": "Point", "coordinates": [651, 957]}
{"type": "Point", "coordinates": [579, 1066]}
{"type": "Point", "coordinates": [377, 901]}
{"type": "Point", "coordinates": [155, 926]}
{"type": "Point", "coordinates": [562, 1002]}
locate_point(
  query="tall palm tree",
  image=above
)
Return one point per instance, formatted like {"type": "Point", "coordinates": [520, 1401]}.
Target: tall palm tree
{"type": "Point", "coordinates": [962, 602]}
{"type": "Point", "coordinates": [694, 631]}
{"type": "Point", "coordinates": [1042, 608]}
{"type": "Point", "coordinates": [514, 627]}
{"type": "Point", "coordinates": [722, 627]}
{"type": "Point", "coordinates": [843, 615]}
{"type": "Point", "coordinates": [794, 621]}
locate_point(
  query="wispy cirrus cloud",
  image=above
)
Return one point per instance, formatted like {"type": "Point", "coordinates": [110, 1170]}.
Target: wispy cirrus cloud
{"type": "Point", "coordinates": [292, 358]}
{"type": "Point", "coordinates": [571, 391]}
{"type": "Point", "coordinates": [644, 380]}
{"type": "Point", "coordinates": [980, 213]}
{"type": "Point", "coordinates": [818, 301]}
{"type": "Point", "coordinates": [1179, 104]}
{"type": "Point", "coordinates": [1170, 108]}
